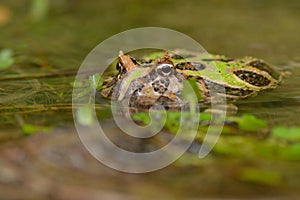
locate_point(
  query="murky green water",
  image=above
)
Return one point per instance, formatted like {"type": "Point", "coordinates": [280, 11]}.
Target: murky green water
{"type": "Point", "coordinates": [265, 29]}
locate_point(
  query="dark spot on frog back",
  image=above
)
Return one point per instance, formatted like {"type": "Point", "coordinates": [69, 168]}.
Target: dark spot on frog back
{"type": "Point", "coordinates": [181, 56]}
{"type": "Point", "coordinates": [261, 65]}
{"type": "Point", "coordinates": [194, 66]}
{"type": "Point", "coordinates": [252, 78]}
{"type": "Point", "coordinates": [144, 61]}
{"type": "Point", "coordinates": [218, 59]}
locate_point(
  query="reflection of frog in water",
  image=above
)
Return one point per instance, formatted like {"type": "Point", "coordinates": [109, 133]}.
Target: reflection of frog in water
{"type": "Point", "coordinates": [160, 77]}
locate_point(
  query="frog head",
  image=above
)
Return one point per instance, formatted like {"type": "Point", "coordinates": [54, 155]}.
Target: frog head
{"type": "Point", "coordinates": [146, 83]}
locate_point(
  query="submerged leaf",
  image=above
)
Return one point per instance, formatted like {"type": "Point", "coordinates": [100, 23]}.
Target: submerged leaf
{"type": "Point", "coordinates": [29, 129]}
{"type": "Point", "coordinates": [250, 123]}
{"type": "Point", "coordinates": [260, 176]}
{"type": "Point", "coordinates": [286, 133]}
{"type": "Point", "coordinates": [6, 58]}
{"type": "Point", "coordinates": [142, 117]}
{"type": "Point", "coordinates": [85, 115]}
{"type": "Point", "coordinates": [291, 152]}
{"type": "Point", "coordinates": [39, 9]}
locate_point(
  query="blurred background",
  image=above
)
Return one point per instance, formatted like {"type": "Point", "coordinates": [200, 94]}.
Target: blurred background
{"type": "Point", "coordinates": [71, 28]}
{"type": "Point", "coordinates": [42, 37]}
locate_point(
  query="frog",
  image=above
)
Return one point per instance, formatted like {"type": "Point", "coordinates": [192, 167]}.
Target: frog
{"type": "Point", "coordinates": [158, 78]}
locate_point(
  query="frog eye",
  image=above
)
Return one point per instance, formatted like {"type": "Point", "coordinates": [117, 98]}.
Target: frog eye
{"type": "Point", "coordinates": [164, 69]}
{"type": "Point", "coordinates": [119, 66]}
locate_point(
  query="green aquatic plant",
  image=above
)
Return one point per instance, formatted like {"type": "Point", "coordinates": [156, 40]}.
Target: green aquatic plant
{"type": "Point", "coordinates": [87, 87]}
{"type": "Point", "coordinates": [39, 9]}
{"type": "Point", "coordinates": [95, 82]}
{"type": "Point", "coordinates": [30, 129]}
{"type": "Point", "coordinates": [291, 134]}
{"type": "Point", "coordinates": [6, 58]}
{"type": "Point", "coordinates": [248, 122]}
{"type": "Point", "coordinates": [84, 115]}
{"type": "Point", "coordinates": [260, 176]}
